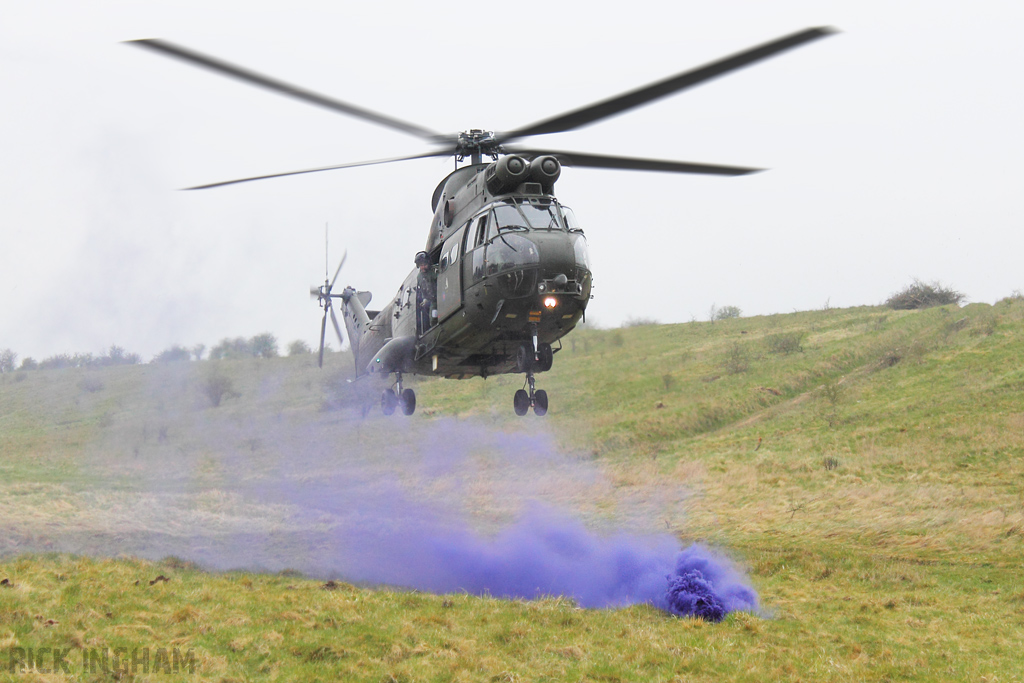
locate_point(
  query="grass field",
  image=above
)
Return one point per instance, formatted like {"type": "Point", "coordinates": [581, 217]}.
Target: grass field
{"type": "Point", "coordinates": [862, 466]}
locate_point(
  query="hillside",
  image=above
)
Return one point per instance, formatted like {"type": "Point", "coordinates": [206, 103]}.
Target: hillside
{"type": "Point", "coordinates": [861, 466]}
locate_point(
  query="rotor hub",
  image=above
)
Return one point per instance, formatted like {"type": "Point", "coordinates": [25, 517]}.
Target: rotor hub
{"type": "Point", "coordinates": [476, 143]}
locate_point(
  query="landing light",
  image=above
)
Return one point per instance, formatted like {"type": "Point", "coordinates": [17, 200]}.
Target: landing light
{"type": "Point", "coordinates": [550, 302]}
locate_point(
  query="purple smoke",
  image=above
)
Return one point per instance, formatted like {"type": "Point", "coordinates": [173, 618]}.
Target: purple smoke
{"type": "Point", "coordinates": [396, 503]}
{"type": "Point", "coordinates": [393, 540]}
{"type": "Point", "coordinates": [706, 586]}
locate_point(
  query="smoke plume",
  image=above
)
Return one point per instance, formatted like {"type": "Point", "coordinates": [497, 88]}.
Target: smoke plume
{"type": "Point", "coordinates": [438, 505]}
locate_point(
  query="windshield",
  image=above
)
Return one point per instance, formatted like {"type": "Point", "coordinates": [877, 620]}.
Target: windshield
{"type": "Point", "coordinates": [526, 214]}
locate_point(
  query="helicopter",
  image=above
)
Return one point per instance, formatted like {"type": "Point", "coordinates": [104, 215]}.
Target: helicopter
{"type": "Point", "coordinates": [505, 272]}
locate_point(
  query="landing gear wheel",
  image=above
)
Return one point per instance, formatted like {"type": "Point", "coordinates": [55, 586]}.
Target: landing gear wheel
{"type": "Point", "coordinates": [388, 401]}
{"type": "Point", "coordinates": [521, 402]}
{"type": "Point", "coordinates": [540, 403]}
{"type": "Point", "coordinates": [545, 356]}
{"type": "Point", "coordinates": [408, 401]}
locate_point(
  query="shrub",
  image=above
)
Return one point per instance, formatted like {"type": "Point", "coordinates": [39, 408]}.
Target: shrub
{"type": "Point", "coordinates": [736, 360]}
{"type": "Point", "coordinates": [231, 348]}
{"type": "Point", "coordinates": [723, 312]}
{"type": "Point", "coordinates": [264, 345]}
{"type": "Point", "coordinates": [1015, 297]}
{"type": "Point", "coordinates": [299, 348]}
{"type": "Point", "coordinates": [118, 356]}
{"type": "Point", "coordinates": [91, 383]}
{"type": "Point", "coordinates": [784, 343]}
{"type": "Point", "coordinates": [216, 387]}
{"type": "Point", "coordinates": [61, 360]}
{"type": "Point", "coordinates": [726, 312]}
{"type": "Point", "coordinates": [197, 351]}
{"type": "Point", "coordinates": [174, 354]}
{"type": "Point", "coordinates": [29, 363]}
{"type": "Point", "coordinates": [261, 346]}
{"type": "Point", "coordinates": [922, 295]}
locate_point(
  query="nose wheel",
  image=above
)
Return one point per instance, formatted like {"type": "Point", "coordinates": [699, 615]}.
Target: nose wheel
{"type": "Point", "coordinates": [398, 397]}
{"type": "Point", "coordinates": [529, 358]}
{"type": "Point", "coordinates": [535, 398]}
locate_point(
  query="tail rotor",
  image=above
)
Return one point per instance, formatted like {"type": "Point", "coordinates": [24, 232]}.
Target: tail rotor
{"type": "Point", "coordinates": [323, 295]}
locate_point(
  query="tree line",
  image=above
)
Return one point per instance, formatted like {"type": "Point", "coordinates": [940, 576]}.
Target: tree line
{"type": "Point", "coordinates": [262, 345]}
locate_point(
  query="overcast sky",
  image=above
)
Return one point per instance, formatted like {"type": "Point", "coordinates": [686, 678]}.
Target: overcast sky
{"type": "Point", "coordinates": [893, 151]}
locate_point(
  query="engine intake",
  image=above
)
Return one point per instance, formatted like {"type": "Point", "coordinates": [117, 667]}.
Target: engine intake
{"type": "Point", "coordinates": [506, 173]}
{"type": "Point", "coordinates": [545, 170]}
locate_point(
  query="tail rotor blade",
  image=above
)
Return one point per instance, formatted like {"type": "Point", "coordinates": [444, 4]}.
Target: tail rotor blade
{"type": "Point", "coordinates": [337, 328]}
{"type": "Point", "coordinates": [343, 257]}
{"type": "Point", "coordinates": [323, 330]}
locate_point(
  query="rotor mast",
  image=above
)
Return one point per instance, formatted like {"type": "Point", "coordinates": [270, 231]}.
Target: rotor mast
{"type": "Point", "coordinates": [475, 144]}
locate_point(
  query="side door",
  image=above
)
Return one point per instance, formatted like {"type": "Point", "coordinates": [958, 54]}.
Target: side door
{"type": "Point", "coordinates": [449, 275]}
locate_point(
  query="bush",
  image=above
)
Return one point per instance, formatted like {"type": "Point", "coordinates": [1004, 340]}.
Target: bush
{"type": "Point", "coordinates": [921, 295]}
{"type": "Point", "coordinates": [58, 361]}
{"type": "Point", "coordinates": [29, 363]}
{"type": "Point", "coordinates": [1015, 297]}
{"type": "Point", "coordinates": [231, 348]}
{"type": "Point", "coordinates": [91, 383]}
{"type": "Point", "coordinates": [174, 354]}
{"type": "Point", "coordinates": [264, 345]}
{"type": "Point", "coordinates": [784, 343]}
{"type": "Point", "coordinates": [118, 356]}
{"type": "Point", "coordinates": [299, 348]}
{"type": "Point", "coordinates": [736, 360]}
{"type": "Point", "coordinates": [115, 356]}
{"type": "Point", "coordinates": [723, 312]}
{"type": "Point", "coordinates": [261, 346]}
{"type": "Point", "coordinates": [217, 387]}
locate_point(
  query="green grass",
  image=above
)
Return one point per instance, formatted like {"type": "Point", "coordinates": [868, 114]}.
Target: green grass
{"type": "Point", "coordinates": [869, 476]}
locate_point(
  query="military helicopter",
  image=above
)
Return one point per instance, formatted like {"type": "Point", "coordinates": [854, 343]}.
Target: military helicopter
{"type": "Point", "coordinates": [505, 272]}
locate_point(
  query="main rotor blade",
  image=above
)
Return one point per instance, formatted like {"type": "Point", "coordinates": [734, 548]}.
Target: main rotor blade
{"type": "Point", "coordinates": [243, 74]}
{"type": "Point", "coordinates": [425, 155]}
{"type": "Point", "coordinates": [687, 79]}
{"type": "Point", "coordinates": [338, 271]}
{"type": "Point", "coordinates": [334, 321]}
{"type": "Point", "coordinates": [635, 164]}
{"type": "Point", "coordinates": [323, 331]}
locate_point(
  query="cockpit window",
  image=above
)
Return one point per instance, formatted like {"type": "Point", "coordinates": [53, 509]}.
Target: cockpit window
{"type": "Point", "coordinates": [525, 214]}
{"type": "Point", "coordinates": [541, 216]}
{"type": "Point", "coordinates": [509, 218]}
{"type": "Point", "coordinates": [570, 220]}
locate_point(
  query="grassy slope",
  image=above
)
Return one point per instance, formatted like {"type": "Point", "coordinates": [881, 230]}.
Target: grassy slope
{"type": "Point", "coordinates": [870, 483]}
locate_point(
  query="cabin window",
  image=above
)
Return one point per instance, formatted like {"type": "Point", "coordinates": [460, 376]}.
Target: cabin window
{"type": "Point", "coordinates": [480, 236]}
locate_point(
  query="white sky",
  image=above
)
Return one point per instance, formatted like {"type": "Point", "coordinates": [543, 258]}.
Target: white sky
{"type": "Point", "coordinates": [893, 149]}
